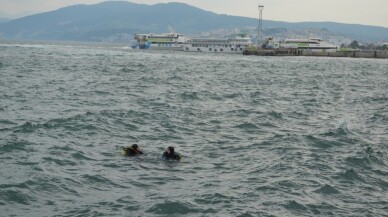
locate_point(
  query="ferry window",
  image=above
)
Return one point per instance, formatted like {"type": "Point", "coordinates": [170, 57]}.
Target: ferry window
{"type": "Point", "coordinates": [231, 49]}
{"type": "Point", "coordinates": [210, 49]}
{"type": "Point", "coordinates": [215, 50]}
{"type": "Point", "coordinates": [221, 49]}
{"type": "Point", "coordinates": [187, 48]}
{"type": "Point", "coordinates": [198, 49]}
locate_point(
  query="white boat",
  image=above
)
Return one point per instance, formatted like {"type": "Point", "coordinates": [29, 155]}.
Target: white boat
{"type": "Point", "coordinates": [314, 44]}
{"type": "Point", "coordinates": [233, 45]}
{"type": "Point", "coordinates": [167, 41]}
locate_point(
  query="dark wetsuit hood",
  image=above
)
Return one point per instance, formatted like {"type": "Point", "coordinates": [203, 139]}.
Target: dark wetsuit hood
{"type": "Point", "coordinates": [171, 149]}
{"type": "Point", "coordinates": [172, 155]}
{"type": "Point", "coordinates": [132, 151]}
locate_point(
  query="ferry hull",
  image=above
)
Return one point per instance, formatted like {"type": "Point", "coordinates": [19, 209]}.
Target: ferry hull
{"type": "Point", "coordinates": [214, 49]}
{"type": "Point", "coordinates": [172, 48]}
{"type": "Point", "coordinates": [153, 47]}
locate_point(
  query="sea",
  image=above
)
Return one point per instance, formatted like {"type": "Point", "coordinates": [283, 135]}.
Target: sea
{"type": "Point", "coordinates": [259, 136]}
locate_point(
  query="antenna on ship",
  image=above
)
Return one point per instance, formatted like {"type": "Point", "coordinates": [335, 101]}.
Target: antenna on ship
{"type": "Point", "coordinates": [259, 37]}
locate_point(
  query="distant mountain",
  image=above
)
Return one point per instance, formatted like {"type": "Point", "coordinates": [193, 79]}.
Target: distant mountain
{"type": "Point", "coordinates": [94, 22]}
{"type": "Point", "coordinates": [4, 20]}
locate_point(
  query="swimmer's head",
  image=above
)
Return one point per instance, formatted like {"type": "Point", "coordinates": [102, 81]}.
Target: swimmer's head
{"type": "Point", "coordinates": [135, 146]}
{"type": "Point", "coordinates": [170, 150]}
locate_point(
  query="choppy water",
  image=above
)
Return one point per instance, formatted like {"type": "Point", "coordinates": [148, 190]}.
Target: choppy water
{"type": "Point", "coordinates": [260, 136]}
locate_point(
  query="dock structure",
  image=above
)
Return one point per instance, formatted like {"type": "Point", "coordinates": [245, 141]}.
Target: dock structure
{"type": "Point", "coordinates": [303, 52]}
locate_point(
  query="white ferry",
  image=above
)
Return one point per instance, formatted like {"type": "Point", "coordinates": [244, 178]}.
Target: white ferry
{"type": "Point", "coordinates": [235, 45]}
{"type": "Point", "coordinates": [167, 41]}
{"type": "Point", "coordinates": [314, 44]}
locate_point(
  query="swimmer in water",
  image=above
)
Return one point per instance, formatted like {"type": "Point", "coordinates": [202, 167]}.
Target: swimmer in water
{"type": "Point", "coordinates": [170, 154]}
{"type": "Point", "coordinates": [133, 150]}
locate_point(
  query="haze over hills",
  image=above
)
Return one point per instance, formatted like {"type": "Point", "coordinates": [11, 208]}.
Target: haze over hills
{"type": "Point", "coordinates": [96, 22]}
{"type": "Point", "coordinates": [4, 15]}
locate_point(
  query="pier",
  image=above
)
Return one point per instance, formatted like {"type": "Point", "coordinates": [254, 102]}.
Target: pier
{"type": "Point", "coordinates": [303, 52]}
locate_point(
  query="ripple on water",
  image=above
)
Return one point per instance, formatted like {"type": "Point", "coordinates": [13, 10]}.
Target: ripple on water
{"type": "Point", "coordinates": [81, 157]}
{"type": "Point", "coordinates": [128, 69]}
{"type": "Point", "coordinates": [327, 189]}
{"type": "Point", "coordinates": [16, 145]}
{"type": "Point", "coordinates": [324, 142]}
{"type": "Point", "coordinates": [295, 207]}
{"type": "Point", "coordinates": [190, 96]}
{"type": "Point", "coordinates": [59, 161]}
{"type": "Point", "coordinates": [5, 122]}
{"type": "Point", "coordinates": [177, 207]}
{"type": "Point", "coordinates": [362, 162]}
{"type": "Point", "coordinates": [351, 175]}
{"type": "Point", "coordinates": [99, 182]}
{"type": "Point", "coordinates": [366, 159]}
{"type": "Point", "coordinates": [232, 95]}
{"type": "Point", "coordinates": [16, 197]}
{"type": "Point", "coordinates": [27, 127]}
{"type": "Point", "coordinates": [246, 126]}
{"type": "Point", "coordinates": [323, 209]}
{"type": "Point", "coordinates": [274, 114]}
{"type": "Point", "coordinates": [214, 198]}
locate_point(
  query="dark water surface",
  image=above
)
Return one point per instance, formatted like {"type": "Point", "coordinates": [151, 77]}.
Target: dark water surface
{"type": "Point", "coordinates": [260, 136]}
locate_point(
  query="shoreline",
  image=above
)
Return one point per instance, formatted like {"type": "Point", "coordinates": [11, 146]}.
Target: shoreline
{"type": "Point", "coordinates": [375, 54]}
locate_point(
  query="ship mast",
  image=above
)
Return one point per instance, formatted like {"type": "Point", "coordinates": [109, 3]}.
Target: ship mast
{"type": "Point", "coordinates": [259, 38]}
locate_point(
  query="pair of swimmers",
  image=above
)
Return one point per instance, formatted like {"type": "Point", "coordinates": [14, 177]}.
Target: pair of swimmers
{"type": "Point", "coordinates": [135, 150]}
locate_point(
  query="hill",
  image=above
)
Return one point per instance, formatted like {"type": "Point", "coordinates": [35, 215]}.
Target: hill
{"type": "Point", "coordinates": [95, 22]}
{"type": "Point", "coordinates": [4, 20]}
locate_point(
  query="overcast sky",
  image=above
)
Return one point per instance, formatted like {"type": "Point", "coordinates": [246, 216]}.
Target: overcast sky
{"type": "Point", "coordinates": [371, 12]}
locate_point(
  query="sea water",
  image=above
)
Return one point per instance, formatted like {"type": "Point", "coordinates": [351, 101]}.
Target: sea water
{"type": "Point", "coordinates": [259, 136]}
